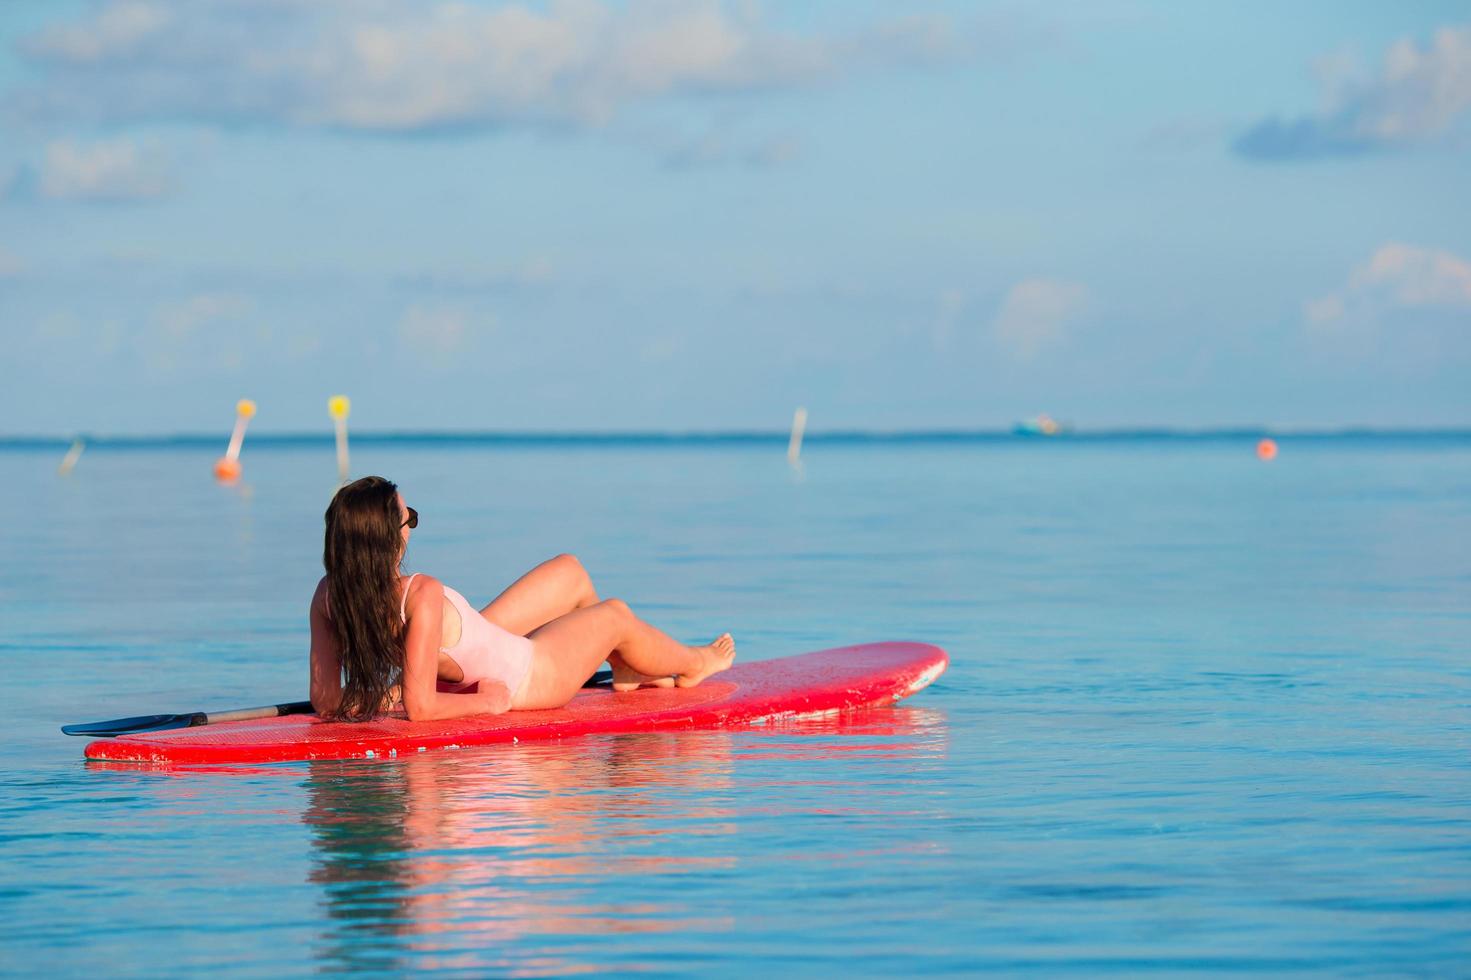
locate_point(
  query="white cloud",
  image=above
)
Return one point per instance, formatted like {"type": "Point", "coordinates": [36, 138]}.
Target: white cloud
{"type": "Point", "coordinates": [1324, 309]}
{"type": "Point", "coordinates": [118, 30]}
{"type": "Point", "coordinates": [182, 318]}
{"type": "Point", "coordinates": [389, 67]}
{"type": "Point", "coordinates": [115, 170]}
{"type": "Point", "coordinates": [1036, 313]}
{"type": "Point", "coordinates": [1420, 93]}
{"type": "Point", "coordinates": [1418, 276]}
{"type": "Point", "coordinates": [1397, 277]}
{"type": "Point", "coordinates": [302, 345]}
{"type": "Point", "coordinates": [436, 332]}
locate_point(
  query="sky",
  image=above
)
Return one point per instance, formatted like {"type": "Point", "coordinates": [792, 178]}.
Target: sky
{"type": "Point", "coordinates": [655, 215]}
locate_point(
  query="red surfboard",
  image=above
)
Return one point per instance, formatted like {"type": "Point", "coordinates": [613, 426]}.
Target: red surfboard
{"type": "Point", "coordinates": [749, 693]}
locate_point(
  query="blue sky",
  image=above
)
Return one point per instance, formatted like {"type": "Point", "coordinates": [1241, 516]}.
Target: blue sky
{"type": "Point", "coordinates": [593, 215]}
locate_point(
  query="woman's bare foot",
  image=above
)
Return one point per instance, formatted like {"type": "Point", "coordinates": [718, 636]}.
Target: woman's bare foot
{"type": "Point", "coordinates": [717, 657]}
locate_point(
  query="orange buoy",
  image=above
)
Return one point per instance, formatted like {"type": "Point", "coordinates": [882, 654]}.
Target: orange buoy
{"type": "Point", "coordinates": [227, 470]}
{"type": "Point", "coordinates": [1266, 449]}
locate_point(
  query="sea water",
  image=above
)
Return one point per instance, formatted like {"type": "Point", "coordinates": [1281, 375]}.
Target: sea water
{"type": "Point", "coordinates": [1204, 713]}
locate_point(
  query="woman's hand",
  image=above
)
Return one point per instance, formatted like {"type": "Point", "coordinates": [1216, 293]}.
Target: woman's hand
{"type": "Point", "coordinates": [495, 696]}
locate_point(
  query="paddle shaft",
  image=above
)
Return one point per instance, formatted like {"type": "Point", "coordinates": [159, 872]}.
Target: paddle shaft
{"type": "Point", "coordinates": [246, 714]}
{"type": "Point", "coordinates": [305, 707]}
{"type": "Point", "coordinates": [145, 723]}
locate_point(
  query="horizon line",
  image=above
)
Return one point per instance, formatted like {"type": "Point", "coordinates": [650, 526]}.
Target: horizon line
{"type": "Point", "coordinates": [677, 436]}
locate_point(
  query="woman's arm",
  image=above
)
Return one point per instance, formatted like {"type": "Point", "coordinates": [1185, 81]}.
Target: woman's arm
{"type": "Point", "coordinates": [326, 671]}
{"type": "Point", "coordinates": [422, 699]}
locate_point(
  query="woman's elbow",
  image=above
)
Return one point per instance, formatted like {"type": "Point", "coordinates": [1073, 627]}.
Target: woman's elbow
{"type": "Point", "coordinates": [325, 704]}
{"type": "Point", "coordinates": [419, 708]}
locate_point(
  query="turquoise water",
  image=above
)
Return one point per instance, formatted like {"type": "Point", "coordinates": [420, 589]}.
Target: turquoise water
{"type": "Point", "coordinates": [1204, 714]}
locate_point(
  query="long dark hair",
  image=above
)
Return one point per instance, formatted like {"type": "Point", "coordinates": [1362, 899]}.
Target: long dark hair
{"type": "Point", "coordinates": [361, 553]}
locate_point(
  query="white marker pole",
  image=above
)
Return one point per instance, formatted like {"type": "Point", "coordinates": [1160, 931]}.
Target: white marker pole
{"type": "Point", "coordinates": [69, 461]}
{"type": "Point", "coordinates": [338, 406]}
{"type": "Point", "coordinates": [794, 447]}
{"type": "Point", "coordinates": [244, 410]}
{"type": "Point", "coordinates": [227, 467]}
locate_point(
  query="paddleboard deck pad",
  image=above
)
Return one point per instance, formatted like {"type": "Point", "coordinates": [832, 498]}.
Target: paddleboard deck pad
{"type": "Point", "coordinates": [753, 693]}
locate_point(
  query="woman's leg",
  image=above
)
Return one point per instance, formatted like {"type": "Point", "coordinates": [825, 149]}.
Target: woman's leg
{"type": "Point", "coordinates": [552, 589]}
{"type": "Point", "coordinates": [566, 650]}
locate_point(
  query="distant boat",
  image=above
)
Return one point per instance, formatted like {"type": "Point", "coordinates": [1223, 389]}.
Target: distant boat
{"type": "Point", "coordinates": [1041, 425]}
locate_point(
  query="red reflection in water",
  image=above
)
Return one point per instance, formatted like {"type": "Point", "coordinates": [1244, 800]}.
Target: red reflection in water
{"type": "Point", "coordinates": [494, 860]}
{"type": "Point", "coordinates": [455, 851]}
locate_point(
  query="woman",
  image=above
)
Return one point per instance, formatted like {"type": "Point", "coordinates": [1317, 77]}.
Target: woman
{"type": "Point", "coordinates": [533, 647]}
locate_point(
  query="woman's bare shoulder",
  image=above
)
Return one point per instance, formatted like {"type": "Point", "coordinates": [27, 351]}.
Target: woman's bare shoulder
{"type": "Point", "coordinates": [424, 588]}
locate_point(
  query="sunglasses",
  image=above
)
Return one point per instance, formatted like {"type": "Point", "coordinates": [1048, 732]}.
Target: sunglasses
{"type": "Point", "coordinates": [413, 520]}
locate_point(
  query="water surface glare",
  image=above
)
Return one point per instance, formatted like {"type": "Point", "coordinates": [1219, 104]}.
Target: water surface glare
{"type": "Point", "coordinates": [1203, 714]}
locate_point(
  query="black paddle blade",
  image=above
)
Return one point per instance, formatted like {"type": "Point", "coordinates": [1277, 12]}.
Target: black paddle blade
{"type": "Point", "coordinates": [601, 679]}
{"type": "Point", "coordinates": [129, 726]}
